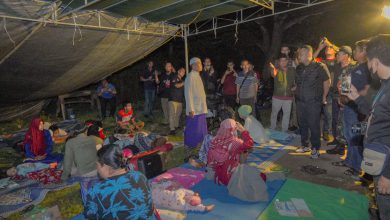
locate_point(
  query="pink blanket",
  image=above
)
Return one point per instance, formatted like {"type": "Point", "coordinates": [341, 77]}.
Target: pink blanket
{"type": "Point", "coordinates": [186, 177]}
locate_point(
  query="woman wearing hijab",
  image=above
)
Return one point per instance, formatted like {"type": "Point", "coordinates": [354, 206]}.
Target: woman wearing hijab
{"type": "Point", "coordinates": [122, 194]}
{"type": "Point", "coordinates": [38, 143]}
{"type": "Point", "coordinates": [226, 148]}
{"type": "Point", "coordinates": [252, 125]}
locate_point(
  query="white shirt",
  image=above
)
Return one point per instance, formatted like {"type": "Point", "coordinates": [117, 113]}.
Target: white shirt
{"type": "Point", "coordinates": [195, 94]}
{"type": "Point", "coordinates": [256, 130]}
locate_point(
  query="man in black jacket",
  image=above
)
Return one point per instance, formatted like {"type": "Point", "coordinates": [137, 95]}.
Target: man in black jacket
{"type": "Point", "coordinates": [312, 86]}
{"type": "Point", "coordinates": [377, 139]}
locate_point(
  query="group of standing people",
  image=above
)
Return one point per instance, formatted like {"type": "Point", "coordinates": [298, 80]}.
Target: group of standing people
{"type": "Point", "coordinates": [334, 95]}
{"type": "Point", "coordinates": [346, 93]}
{"type": "Point", "coordinates": [169, 87]}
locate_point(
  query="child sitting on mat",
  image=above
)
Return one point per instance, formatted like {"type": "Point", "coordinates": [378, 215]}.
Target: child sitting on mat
{"type": "Point", "coordinates": [171, 195]}
{"type": "Point", "coordinates": [126, 119]}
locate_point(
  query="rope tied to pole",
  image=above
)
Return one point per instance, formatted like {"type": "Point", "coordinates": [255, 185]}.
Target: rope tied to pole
{"type": "Point", "coordinates": [75, 29]}
{"type": "Point", "coordinates": [215, 28]}
{"type": "Point", "coordinates": [128, 32]}
{"type": "Point", "coordinates": [44, 22]}
{"type": "Point", "coordinates": [6, 31]}
{"type": "Point", "coordinates": [236, 32]}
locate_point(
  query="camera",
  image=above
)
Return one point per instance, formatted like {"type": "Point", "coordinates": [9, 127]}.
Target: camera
{"type": "Point", "coordinates": [359, 128]}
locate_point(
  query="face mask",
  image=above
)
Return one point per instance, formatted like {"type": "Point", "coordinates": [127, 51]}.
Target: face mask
{"type": "Point", "coordinates": [374, 78]}
{"type": "Point", "coordinates": [372, 71]}
{"type": "Point", "coordinates": [375, 81]}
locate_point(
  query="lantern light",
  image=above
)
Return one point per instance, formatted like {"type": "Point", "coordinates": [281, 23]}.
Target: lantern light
{"type": "Point", "coordinates": [386, 11]}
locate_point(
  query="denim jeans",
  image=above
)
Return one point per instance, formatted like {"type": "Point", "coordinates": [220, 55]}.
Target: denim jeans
{"type": "Point", "coordinates": [354, 141]}
{"type": "Point", "coordinates": [150, 96]}
{"type": "Point", "coordinates": [383, 202]}
{"type": "Point", "coordinates": [309, 115]}
{"type": "Point", "coordinates": [326, 116]}
{"type": "Point", "coordinates": [335, 116]}
{"type": "Point", "coordinates": [111, 102]}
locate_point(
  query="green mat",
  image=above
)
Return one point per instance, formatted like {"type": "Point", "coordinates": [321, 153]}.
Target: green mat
{"type": "Point", "coordinates": [324, 202]}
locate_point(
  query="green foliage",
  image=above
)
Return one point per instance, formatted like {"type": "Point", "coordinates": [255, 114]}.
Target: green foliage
{"type": "Point", "coordinates": [68, 201]}
{"type": "Point", "coordinates": [45, 117]}
{"type": "Point", "coordinates": [9, 158]}
{"type": "Point", "coordinates": [173, 158]}
{"type": "Point", "coordinates": [20, 123]}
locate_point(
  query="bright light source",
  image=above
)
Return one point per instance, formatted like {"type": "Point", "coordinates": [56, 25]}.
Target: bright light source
{"type": "Point", "coordinates": [386, 11]}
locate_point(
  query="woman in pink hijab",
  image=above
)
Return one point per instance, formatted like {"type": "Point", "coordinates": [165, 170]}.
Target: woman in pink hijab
{"type": "Point", "coordinates": [226, 148]}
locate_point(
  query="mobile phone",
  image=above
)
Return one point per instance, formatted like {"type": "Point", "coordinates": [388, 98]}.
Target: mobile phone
{"type": "Point", "coordinates": [346, 84]}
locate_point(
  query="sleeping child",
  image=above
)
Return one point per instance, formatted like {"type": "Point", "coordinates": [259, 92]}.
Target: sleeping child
{"type": "Point", "coordinates": [171, 195]}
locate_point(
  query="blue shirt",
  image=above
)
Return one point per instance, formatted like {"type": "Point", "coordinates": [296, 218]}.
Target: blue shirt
{"type": "Point", "coordinates": [106, 94]}
{"type": "Point", "coordinates": [48, 142]}
{"type": "Point", "coordinates": [120, 197]}
{"type": "Point", "coordinates": [360, 76]}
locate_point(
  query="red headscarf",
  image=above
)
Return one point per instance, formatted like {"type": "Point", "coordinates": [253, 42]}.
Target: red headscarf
{"type": "Point", "coordinates": [224, 152]}
{"type": "Point", "coordinates": [36, 138]}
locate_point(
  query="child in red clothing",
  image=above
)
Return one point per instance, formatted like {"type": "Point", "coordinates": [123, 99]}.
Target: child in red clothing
{"type": "Point", "coordinates": [126, 119]}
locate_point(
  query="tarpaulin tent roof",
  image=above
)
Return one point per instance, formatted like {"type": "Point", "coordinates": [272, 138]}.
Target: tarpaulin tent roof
{"type": "Point", "coordinates": [172, 11]}
{"type": "Point", "coordinates": [39, 60]}
{"type": "Point", "coordinates": [48, 48]}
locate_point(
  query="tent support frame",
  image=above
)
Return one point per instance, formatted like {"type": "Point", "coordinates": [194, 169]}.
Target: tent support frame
{"type": "Point", "coordinates": [193, 31]}
{"type": "Point", "coordinates": [163, 32]}
{"type": "Point", "coordinates": [185, 36]}
{"type": "Point", "coordinates": [54, 17]}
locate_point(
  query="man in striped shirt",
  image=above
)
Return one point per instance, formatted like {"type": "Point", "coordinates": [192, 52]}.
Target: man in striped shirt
{"type": "Point", "coordinates": [247, 85]}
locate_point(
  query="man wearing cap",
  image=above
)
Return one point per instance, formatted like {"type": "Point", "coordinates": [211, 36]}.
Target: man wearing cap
{"type": "Point", "coordinates": [196, 107]}
{"type": "Point", "coordinates": [344, 68]}
{"type": "Point", "coordinates": [312, 86]}
{"type": "Point", "coordinates": [360, 80]}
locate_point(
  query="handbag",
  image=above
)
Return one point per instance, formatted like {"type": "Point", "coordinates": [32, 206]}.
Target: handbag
{"type": "Point", "coordinates": [376, 157]}
{"type": "Point", "coordinates": [242, 83]}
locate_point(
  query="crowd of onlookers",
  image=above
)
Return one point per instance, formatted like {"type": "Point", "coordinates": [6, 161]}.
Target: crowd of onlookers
{"type": "Point", "coordinates": [341, 98]}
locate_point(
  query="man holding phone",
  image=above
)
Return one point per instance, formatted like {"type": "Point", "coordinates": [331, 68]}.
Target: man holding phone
{"type": "Point", "coordinates": [344, 66]}
{"type": "Point", "coordinates": [107, 93]}
{"type": "Point", "coordinates": [358, 77]}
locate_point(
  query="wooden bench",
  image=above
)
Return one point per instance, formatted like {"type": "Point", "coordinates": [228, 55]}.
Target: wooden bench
{"type": "Point", "coordinates": [86, 96]}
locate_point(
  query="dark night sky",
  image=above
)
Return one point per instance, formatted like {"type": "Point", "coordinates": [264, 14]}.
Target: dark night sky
{"type": "Point", "coordinates": [344, 23]}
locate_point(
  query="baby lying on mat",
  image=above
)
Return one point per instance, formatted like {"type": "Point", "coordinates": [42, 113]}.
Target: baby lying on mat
{"type": "Point", "coordinates": [171, 195]}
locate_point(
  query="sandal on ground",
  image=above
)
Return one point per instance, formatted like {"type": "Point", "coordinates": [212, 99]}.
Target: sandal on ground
{"type": "Point", "coordinates": [339, 164]}
{"type": "Point", "coordinates": [351, 172]}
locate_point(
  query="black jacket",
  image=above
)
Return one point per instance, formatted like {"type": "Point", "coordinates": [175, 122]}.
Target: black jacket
{"type": "Point", "coordinates": [378, 130]}
{"type": "Point", "coordinates": [310, 81]}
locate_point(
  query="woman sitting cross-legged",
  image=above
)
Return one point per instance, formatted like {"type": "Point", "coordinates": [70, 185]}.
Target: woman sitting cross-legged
{"type": "Point", "coordinates": [244, 182]}
{"type": "Point", "coordinates": [226, 148]}
{"type": "Point", "coordinates": [121, 194]}
{"type": "Point", "coordinates": [38, 144]}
